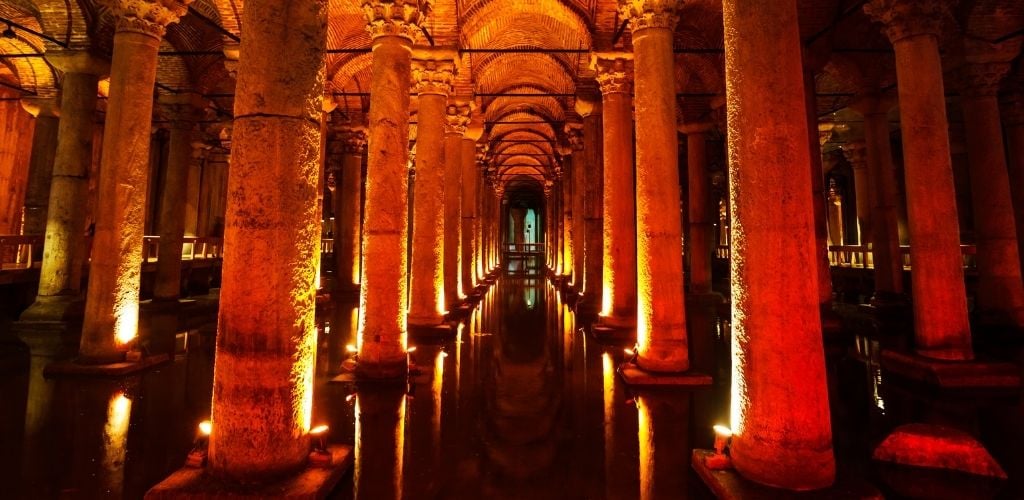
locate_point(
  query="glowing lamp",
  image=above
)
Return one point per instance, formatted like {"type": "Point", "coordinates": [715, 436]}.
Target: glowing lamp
{"type": "Point", "coordinates": [205, 428]}
{"type": "Point", "coordinates": [411, 350]}
{"type": "Point", "coordinates": [318, 454]}
{"type": "Point", "coordinates": [720, 459]}
{"type": "Point", "coordinates": [352, 348]}
{"type": "Point", "coordinates": [197, 455]}
{"type": "Point", "coordinates": [444, 354]}
{"type": "Point", "coordinates": [350, 398]}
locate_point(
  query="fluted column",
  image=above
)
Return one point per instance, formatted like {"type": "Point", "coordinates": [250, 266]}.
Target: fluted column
{"type": "Point", "coordinates": [383, 302]}
{"type": "Point", "coordinates": [1013, 119]}
{"type": "Point", "coordinates": [884, 235]}
{"type": "Point", "coordinates": [432, 73]}
{"type": "Point", "coordinates": [63, 252]}
{"type": "Point", "coordinates": [661, 315]}
{"type": "Point", "coordinates": [46, 111]}
{"type": "Point", "coordinates": [574, 134]}
{"type": "Point", "coordinates": [182, 111]}
{"type": "Point", "coordinates": [856, 153]}
{"type": "Point", "coordinates": [593, 245]}
{"type": "Point", "coordinates": [112, 301]}
{"type": "Point", "coordinates": [699, 207]}
{"type": "Point", "coordinates": [941, 327]}
{"type": "Point", "coordinates": [348, 149]}
{"type": "Point", "coordinates": [456, 120]}
{"type": "Point", "coordinates": [618, 302]}
{"type": "Point", "coordinates": [1000, 295]}
{"type": "Point", "coordinates": [780, 413]}
{"type": "Point", "coordinates": [266, 338]}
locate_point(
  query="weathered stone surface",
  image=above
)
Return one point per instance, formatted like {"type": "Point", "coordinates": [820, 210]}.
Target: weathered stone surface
{"type": "Point", "coordinates": [937, 446]}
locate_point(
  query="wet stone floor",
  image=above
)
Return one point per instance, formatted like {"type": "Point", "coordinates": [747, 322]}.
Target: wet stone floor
{"type": "Point", "coordinates": [524, 404]}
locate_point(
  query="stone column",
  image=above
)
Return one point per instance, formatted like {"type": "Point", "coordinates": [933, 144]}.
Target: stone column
{"type": "Point", "coordinates": [1000, 296]}
{"type": "Point", "coordinates": [1013, 119]}
{"type": "Point", "coordinates": [182, 111]}
{"type": "Point", "coordinates": [941, 327]}
{"type": "Point", "coordinates": [856, 153]}
{"type": "Point", "coordinates": [884, 235]}
{"type": "Point", "coordinates": [592, 212]}
{"type": "Point", "coordinates": [661, 315]}
{"type": "Point", "coordinates": [266, 338]}
{"type": "Point", "coordinates": [574, 134]}
{"type": "Point", "coordinates": [699, 207]}
{"type": "Point", "coordinates": [457, 118]}
{"type": "Point", "coordinates": [469, 195]}
{"type": "Point", "coordinates": [46, 111]}
{"type": "Point", "coordinates": [549, 201]}
{"type": "Point", "coordinates": [432, 72]}
{"type": "Point", "coordinates": [349, 145]}
{"type": "Point", "coordinates": [383, 302]}
{"type": "Point", "coordinates": [568, 168]}
{"type": "Point", "coordinates": [780, 416]}
{"type": "Point", "coordinates": [618, 302]}
{"type": "Point", "coordinates": [61, 275]}
{"type": "Point", "coordinates": [112, 301]}
{"type": "Point", "coordinates": [481, 214]}
{"type": "Point", "coordinates": [817, 135]}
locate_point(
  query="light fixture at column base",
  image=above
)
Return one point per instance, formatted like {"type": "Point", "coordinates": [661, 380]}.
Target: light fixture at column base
{"type": "Point", "coordinates": [313, 482]}
{"type": "Point", "coordinates": [728, 484]}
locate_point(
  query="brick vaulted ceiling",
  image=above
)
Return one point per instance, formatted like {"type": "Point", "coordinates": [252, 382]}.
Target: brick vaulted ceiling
{"type": "Point", "coordinates": [508, 47]}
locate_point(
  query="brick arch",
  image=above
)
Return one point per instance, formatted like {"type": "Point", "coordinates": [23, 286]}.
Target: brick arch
{"type": "Point", "coordinates": [34, 74]}
{"type": "Point", "coordinates": [69, 21]}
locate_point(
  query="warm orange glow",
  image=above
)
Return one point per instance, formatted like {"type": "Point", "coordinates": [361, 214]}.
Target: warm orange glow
{"type": "Point", "coordinates": [205, 427]}
{"type": "Point", "coordinates": [115, 434]}
{"type": "Point", "coordinates": [126, 322]}
{"type": "Point", "coordinates": [351, 348]}
{"type": "Point", "coordinates": [411, 350]}
{"type": "Point", "coordinates": [606, 292]}
{"type": "Point", "coordinates": [302, 375]}
{"type": "Point", "coordinates": [721, 430]}
{"type": "Point", "coordinates": [629, 352]}
{"type": "Point", "coordinates": [646, 448]}
{"type": "Point", "coordinates": [318, 430]}
{"type": "Point", "coordinates": [354, 327]}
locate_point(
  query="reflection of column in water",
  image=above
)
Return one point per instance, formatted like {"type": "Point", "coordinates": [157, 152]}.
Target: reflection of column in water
{"type": "Point", "coordinates": [620, 479]}
{"type": "Point", "coordinates": [380, 439]}
{"type": "Point", "coordinates": [115, 434]}
{"type": "Point", "coordinates": [664, 444]}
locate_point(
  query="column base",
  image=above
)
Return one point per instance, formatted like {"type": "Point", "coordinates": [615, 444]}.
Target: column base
{"type": "Point", "coordinates": [459, 311]}
{"type": "Point", "coordinates": [952, 374]}
{"type": "Point", "coordinates": [605, 331]}
{"type": "Point", "coordinates": [431, 333]}
{"type": "Point", "coordinates": [633, 375]}
{"type": "Point", "coordinates": [49, 339]}
{"type": "Point", "coordinates": [937, 447]}
{"type": "Point", "coordinates": [311, 483]}
{"type": "Point", "coordinates": [159, 324]}
{"type": "Point", "coordinates": [727, 484]}
{"type": "Point", "coordinates": [61, 308]}
{"type": "Point", "coordinates": [75, 368]}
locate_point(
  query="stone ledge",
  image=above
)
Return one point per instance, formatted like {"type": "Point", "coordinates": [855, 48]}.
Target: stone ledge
{"type": "Point", "coordinates": [311, 483]}
{"type": "Point", "coordinates": [635, 376]}
{"type": "Point", "coordinates": [608, 332]}
{"type": "Point", "coordinates": [952, 374]}
{"type": "Point", "coordinates": [73, 368]}
{"type": "Point", "coordinates": [431, 333]}
{"type": "Point", "coordinates": [730, 485]}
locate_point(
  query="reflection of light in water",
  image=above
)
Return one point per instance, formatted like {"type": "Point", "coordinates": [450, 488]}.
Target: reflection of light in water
{"type": "Point", "coordinates": [876, 384]}
{"type": "Point", "coordinates": [126, 324]}
{"type": "Point", "coordinates": [646, 447]}
{"type": "Point", "coordinates": [608, 384]}
{"type": "Point", "coordinates": [354, 327]}
{"type": "Point", "coordinates": [371, 447]}
{"type": "Point", "coordinates": [530, 296]}
{"type": "Point", "coordinates": [115, 433]}
{"type": "Point", "coordinates": [435, 391]}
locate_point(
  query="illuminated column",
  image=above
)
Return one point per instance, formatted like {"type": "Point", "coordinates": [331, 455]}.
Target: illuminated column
{"type": "Point", "coordinates": [593, 246]}
{"type": "Point", "coordinates": [112, 301]}
{"type": "Point", "coordinates": [856, 154]}
{"type": "Point", "coordinates": [884, 235]}
{"type": "Point", "coordinates": [380, 417]}
{"type": "Point", "coordinates": [1000, 289]}
{"type": "Point", "coordinates": [574, 134]}
{"type": "Point", "coordinates": [46, 111]}
{"type": "Point", "coordinates": [350, 144]}
{"type": "Point", "coordinates": [61, 274]}
{"type": "Point", "coordinates": [780, 413]}
{"type": "Point", "coordinates": [661, 316]}
{"type": "Point", "coordinates": [699, 207]}
{"type": "Point", "coordinates": [432, 74]}
{"type": "Point", "coordinates": [266, 334]}
{"type": "Point", "coordinates": [549, 201]}
{"type": "Point", "coordinates": [457, 118]}
{"type": "Point", "coordinates": [618, 302]}
{"type": "Point", "coordinates": [566, 200]}
{"type": "Point", "coordinates": [941, 327]}
{"type": "Point", "coordinates": [469, 194]}
{"type": "Point", "coordinates": [182, 111]}
{"type": "Point", "coordinates": [1013, 119]}
{"type": "Point", "coordinates": [383, 301]}
{"type": "Point", "coordinates": [481, 213]}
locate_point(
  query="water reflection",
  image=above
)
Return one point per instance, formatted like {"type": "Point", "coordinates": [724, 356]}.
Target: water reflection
{"type": "Point", "coordinates": [379, 443]}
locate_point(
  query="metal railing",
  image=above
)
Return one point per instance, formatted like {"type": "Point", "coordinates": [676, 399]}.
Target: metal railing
{"type": "Point", "coordinates": [856, 256]}
{"type": "Point", "coordinates": [18, 252]}
{"type": "Point", "coordinates": [192, 248]}
{"type": "Point", "coordinates": [524, 247]}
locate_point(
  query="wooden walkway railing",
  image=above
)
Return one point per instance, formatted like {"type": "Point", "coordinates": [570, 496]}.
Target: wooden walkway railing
{"type": "Point", "coordinates": [855, 256]}
{"type": "Point", "coordinates": [19, 253]}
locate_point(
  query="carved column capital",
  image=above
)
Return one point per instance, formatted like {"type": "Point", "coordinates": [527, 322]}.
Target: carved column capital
{"type": "Point", "coordinates": [614, 72]}
{"type": "Point", "coordinates": [351, 140]}
{"type": "Point", "coordinates": [180, 111]}
{"type": "Point", "coordinates": [574, 134]}
{"type": "Point", "coordinates": [433, 72]}
{"type": "Point", "coordinates": [905, 18]}
{"type": "Point", "coordinates": [457, 118]}
{"type": "Point", "coordinates": [79, 61]}
{"type": "Point", "coordinates": [148, 17]}
{"type": "Point", "coordinates": [982, 79]}
{"type": "Point", "coordinates": [401, 18]}
{"type": "Point", "coordinates": [857, 154]}
{"type": "Point", "coordinates": [643, 14]}
{"type": "Point", "coordinates": [41, 106]}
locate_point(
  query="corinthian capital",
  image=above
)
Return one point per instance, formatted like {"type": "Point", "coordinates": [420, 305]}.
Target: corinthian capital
{"type": "Point", "coordinates": [148, 17]}
{"type": "Point", "coordinates": [574, 134]}
{"type": "Point", "coordinates": [644, 14]}
{"type": "Point", "coordinates": [905, 18]}
{"type": "Point", "coordinates": [433, 71]}
{"type": "Point", "coordinates": [982, 79]}
{"type": "Point", "coordinates": [457, 118]}
{"type": "Point", "coordinates": [614, 71]}
{"type": "Point", "coordinates": [856, 153]}
{"type": "Point", "coordinates": [401, 18]}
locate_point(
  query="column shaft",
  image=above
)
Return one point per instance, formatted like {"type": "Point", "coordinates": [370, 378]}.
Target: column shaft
{"type": "Point", "coordinates": [40, 167]}
{"type": "Point", "coordinates": [1015, 148]}
{"type": "Point", "coordinates": [699, 208]}
{"type": "Point", "coordinates": [172, 213]}
{"type": "Point", "coordinates": [619, 295]}
{"type": "Point", "coordinates": [568, 260]}
{"type": "Point", "coordinates": [824, 274]}
{"type": "Point", "coordinates": [469, 194]}
{"type": "Point", "coordinates": [593, 228]}
{"type": "Point", "coordinates": [453, 215]}
{"type": "Point", "coordinates": [348, 208]}
{"type": "Point", "coordinates": [579, 195]}
{"type": "Point", "coordinates": [777, 324]}
{"type": "Point", "coordinates": [885, 240]}
{"type": "Point", "coordinates": [861, 188]}
{"type": "Point", "coordinates": [266, 338]}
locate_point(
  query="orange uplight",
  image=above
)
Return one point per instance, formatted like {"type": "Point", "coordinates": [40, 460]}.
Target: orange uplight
{"type": "Point", "coordinates": [318, 430]}
{"type": "Point", "coordinates": [351, 348]}
{"type": "Point", "coordinates": [205, 427]}
{"type": "Point", "coordinates": [126, 324]}
{"type": "Point", "coordinates": [629, 352]}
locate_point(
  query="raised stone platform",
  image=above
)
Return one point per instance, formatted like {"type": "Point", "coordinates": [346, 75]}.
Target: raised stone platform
{"type": "Point", "coordinates": [433, 333]}
{"type": "Point", "coordinates": [635, 376]}
{"type": "Point", "coordinates": [952, 374]}
{"type": "Point", "coordinates": [730, 485]}
{"type": "Point", "coordinates": [312, 483]}
{"type": "Point", "coordinates": [75, 369]}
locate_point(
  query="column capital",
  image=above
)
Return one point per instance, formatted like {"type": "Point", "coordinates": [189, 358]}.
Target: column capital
{"type": "Point", "coordinates": [147, 17]}
{"type": "Point", "coordinates": [401, 18]}
{"type": "Point", "coordinates": [433, 71]}
{"type": "Point", "coordinates": [586, 107]}
{"type": "Point", "coordinates": [643, 14]}
{"type": "Point", "coordinates": [905, 18]}
{"type": "Point", "coordinates": [41, 106]}
{"type": "Point", "coordinates": [614, 71]}
{"type": "Point", "coordinates": [825, 132]}
{"type": "Point", "coordinates": [180, 110]}
{"type": "Point", "coordinates": [982, 79]}
{"type": "Point", "coordinates": [1013, 110]}
{"type": "Point", "coordinates": [350, 139]}
{"type": "Point", "coordinates": [548, 186]}
{"type": "Point", "coordinates": [574, 134]}
{"type": "Point", "coordinates": [457, 118]}
{"type": "Point", "coordinates": [79, 61]}
{"type": "Point", "coordinates": [856, 153]}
